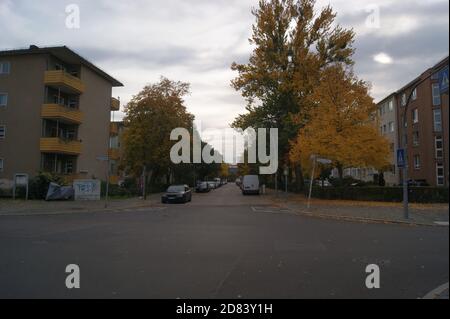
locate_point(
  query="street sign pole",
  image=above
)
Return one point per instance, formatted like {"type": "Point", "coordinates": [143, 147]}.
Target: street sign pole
{"type": "Point", "coordinates": [311, 181]}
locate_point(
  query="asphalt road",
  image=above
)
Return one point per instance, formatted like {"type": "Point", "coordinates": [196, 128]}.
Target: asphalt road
{"type": "Point", "coordinates": [222, 245]}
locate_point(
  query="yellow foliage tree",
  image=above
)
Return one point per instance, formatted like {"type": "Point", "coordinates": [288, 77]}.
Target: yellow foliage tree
{"type": "Point", "coordinates": [342, 125]}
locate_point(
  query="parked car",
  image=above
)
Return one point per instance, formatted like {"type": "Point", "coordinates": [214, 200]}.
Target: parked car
{"type": "Point", "coordinates": [212, 185]}
{"type": "Point", "coordinates": [202, 187]}
{"type": "Point", "coordinates": [238, 182]}
{"type": "Point", "coordinates": [177, 194]}
{"type": "Point", "coordinates": [324, 183]}
{"type": "Point", "coordinates": [250, 184]}
{"type": "Point", "coordinates": [218, 182]}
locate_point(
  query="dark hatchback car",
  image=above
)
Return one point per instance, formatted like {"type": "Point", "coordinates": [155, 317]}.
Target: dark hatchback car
{"type": "Point", "coordinates": [177, 194]}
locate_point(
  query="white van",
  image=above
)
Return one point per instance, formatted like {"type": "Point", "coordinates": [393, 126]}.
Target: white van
{"type": "Point", "coordinates": [250, 184]}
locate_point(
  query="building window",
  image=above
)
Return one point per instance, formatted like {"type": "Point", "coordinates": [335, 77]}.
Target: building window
{"type": "Point", "coordinates": [391, 106]}
{"type": "Point", "coordinates": [391, 127]}
{"type": "Point", "coordinates": [439, 146]}
{"type": "Point", "coordinates": [416, 138]}
{"type": "Point", "coordinates": [439, 174]}
{"type": "Point", "coordinates": [2, 131]}
{"type": "Point", "coordinates": [384, 129]}
{"type": "Point", "coordinates": [1, 164]}
{"type": "Point", "coordinates": [414, 94]}
{"type": "Point", "coordinates": [403, 99]}
{"type": "Point", "coordinates": [416, 161]}
{"type": "Point", "coordinates": [415, 116]}
{"type": "Point", "coordinates": [3, 99]}
{"type": "Point", "coordinates": [5, 67]}
{"type": "Point", "coordinates": [436, 94]}
{"type": "Point", "coordinates": [437, 119]}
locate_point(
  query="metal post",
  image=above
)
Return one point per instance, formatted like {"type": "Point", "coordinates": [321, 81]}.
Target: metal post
{"type": "Point", "coordinates": [276, 182]}
{"type": "Point", "coordinates": [405, 190]}
{"type": "Point", "coordinates": [311, 182]}
{"type": "Point", "coordinates": [144, 173]}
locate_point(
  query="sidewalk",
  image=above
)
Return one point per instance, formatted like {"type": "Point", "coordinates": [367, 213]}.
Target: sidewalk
{"type": "Point", "coordinates": [382, 212]}
{"type": "Point", "coordinates": [9, 207]}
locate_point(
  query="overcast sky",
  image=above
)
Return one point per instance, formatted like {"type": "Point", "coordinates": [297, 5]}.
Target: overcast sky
{"type": "Point", "coordinates": [196, 41]}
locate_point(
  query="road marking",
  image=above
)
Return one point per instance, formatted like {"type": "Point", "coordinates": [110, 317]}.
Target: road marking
{"type": "Point", "coordinates": [441, 223]}
{"type": "Point", "coordinates": [433, 294]}
{"type": "Point", "coordinates": [271, 209]}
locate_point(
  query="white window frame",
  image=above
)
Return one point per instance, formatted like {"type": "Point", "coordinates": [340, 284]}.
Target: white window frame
{"type": "Point", "coordinates": [391, 127]}
{"type": "Point", "coordinates": [416, 138]}
{"type": "Point", "coordinates": [3, 70]}
{"type": "Point", "coordinates": [391, 106]}
{"type": "Point", "coordinates": [439, 149]}
{"type": "Point", "coordinates": [4, 132]}
{"type": "Point", "coordinates": [416, 161]}
{"type": "Point", "coordinates": [403, 99]}
{"type": "Point", "coordinates": [415, 116]}
{"type": "Point", "coordinates": [435, 123]}
{"type": "Point", "coordinates": [6, 95]}
{"type": "Point", "coordinates": [414, 95]}
{"type": "Point", "coordinates": [440, 166]}
{"type": "Point", "coordinates": [436, 94]}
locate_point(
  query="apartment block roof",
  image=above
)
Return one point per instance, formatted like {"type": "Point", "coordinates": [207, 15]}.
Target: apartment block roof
{"type": "Point", "coordinates": [65, 54]}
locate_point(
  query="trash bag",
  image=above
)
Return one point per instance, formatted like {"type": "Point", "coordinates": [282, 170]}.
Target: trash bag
{"type": "Point", "coordinates": [57, 192]}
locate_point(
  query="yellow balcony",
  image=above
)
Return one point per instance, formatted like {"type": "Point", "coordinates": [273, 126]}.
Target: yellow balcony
{"type": "Point", "coordinates": [114, 179]}
{"type": "Point", "coordinates": [58, 112]}
{"type": "Point", "coordinates": [113, 129]}
{"type": "Point", "coordinates": [113, 154]}
{"type": "Point", "coordinates": [57, 145]}
{"type": "Point", "coordinates": [64, 81]}
{"type": "Point", "coordinates": [115, 104]}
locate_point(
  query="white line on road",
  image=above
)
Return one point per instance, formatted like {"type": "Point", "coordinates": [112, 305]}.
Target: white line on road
{"type": "Point", "coordinates": [441, 223]}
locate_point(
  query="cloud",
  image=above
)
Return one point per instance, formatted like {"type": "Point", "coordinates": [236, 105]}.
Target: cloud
{"type": "Point", "coordinates": [196, 41]}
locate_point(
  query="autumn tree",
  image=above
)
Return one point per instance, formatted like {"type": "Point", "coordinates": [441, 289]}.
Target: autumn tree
{"type": "Point", "coordinates": [342, 125]}
{"type": "Point", "coordinates": [293, 43]}
{"type": "Point", "coordinates": [150, 117]}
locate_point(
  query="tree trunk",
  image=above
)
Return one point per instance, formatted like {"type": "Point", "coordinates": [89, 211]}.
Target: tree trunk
{"type": "Point", "coordinates": [299, 180]}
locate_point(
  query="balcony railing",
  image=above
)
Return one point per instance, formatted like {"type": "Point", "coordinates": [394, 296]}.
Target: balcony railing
{"type": "Point", "coordinates": [113, 129]}
{"type": "Point", "coordinates": [55, 111]}
{"type": "Point", "coordinates": [60, 146]}
{"type": "Point", "coordinates": [64, 80]}
{"type": "Point", "coordinates": [113, 154]}
{"type": "Point", "coordinates": [115, 104]}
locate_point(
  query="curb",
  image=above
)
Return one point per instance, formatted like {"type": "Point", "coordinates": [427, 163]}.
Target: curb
{"type": "Point", "coordinates": [83, 211]}
{"type": "Point", "coordinates": [367, 220]}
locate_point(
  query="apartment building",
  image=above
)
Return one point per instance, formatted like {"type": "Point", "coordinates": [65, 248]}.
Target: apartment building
{"type": "Point", "coordinates": [387, 111]}
{"type": "Point", "coordinates": [115, 152]}
{"type": "Point", "coordinates": [55, 110]}
{"type": "Point", "coordinates": [424, 131]}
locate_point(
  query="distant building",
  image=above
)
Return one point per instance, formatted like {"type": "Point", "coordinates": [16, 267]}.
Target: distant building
{"type": "Point", "coordinates": [388, 123]}
{"type": "Point", "coordinates": [54, 113]}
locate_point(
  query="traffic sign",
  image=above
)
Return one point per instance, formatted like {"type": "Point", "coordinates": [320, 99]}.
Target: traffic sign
{"type": "Point", "coordinates": [401, 163]}
{"type": "Point", "coordinates": [443, 80]}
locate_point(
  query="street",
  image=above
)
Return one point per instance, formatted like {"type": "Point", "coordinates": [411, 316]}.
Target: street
{"type": "Point", "coordinates": [221, 245]}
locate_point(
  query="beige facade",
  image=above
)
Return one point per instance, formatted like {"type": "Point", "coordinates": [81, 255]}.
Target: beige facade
{"type": "Point", "coordinates": [57, 114]}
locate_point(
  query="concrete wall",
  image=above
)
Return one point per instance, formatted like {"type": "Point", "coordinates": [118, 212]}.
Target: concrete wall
{"type": "Point", "coordinates": [25, 88]}
{"type": "Point", "coordinates": [94, 131]}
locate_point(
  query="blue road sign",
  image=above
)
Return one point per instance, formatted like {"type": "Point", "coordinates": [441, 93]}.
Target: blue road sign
{"type": "Point", "coordinates": [401, 158]}
{"type": "Point", "coordinates": [443, 80]}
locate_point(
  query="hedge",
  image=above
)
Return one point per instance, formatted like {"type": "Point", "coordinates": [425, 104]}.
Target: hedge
{"type": "Point", "coordinates": [385, 194]}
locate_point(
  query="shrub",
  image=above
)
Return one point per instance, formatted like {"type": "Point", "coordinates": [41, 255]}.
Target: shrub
{"type": "Point", "coordinates": [38, 185]}
{"type": "Point", "coordinates": [386, 194]}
